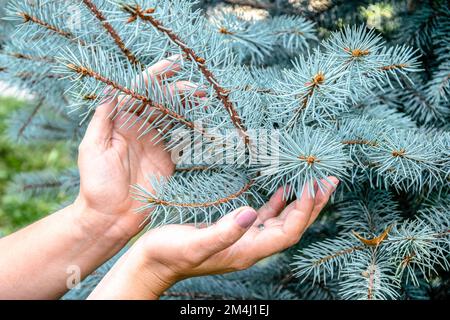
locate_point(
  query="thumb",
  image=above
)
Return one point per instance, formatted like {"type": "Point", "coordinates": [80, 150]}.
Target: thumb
{"type": "Point", "coordinates": [225, 232]}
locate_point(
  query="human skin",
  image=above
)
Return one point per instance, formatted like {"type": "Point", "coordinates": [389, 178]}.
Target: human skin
{"type": "Point", "coordinates": [171, 253]}
{"type": "Point", "coordinates": [37, 261]}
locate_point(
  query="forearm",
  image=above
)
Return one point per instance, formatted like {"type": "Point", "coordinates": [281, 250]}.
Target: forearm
{"type": "Point", "coordinates": [36, 262]}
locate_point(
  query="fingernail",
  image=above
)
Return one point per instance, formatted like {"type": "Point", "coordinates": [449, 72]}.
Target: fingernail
{"type": "Point", "coordinates": [246, 218]}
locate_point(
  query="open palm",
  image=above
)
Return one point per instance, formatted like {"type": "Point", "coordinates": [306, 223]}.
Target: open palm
{"type": "Point", "coordinates": [186, 251]}
{"type": "Point", "coordinates": [112, 157]}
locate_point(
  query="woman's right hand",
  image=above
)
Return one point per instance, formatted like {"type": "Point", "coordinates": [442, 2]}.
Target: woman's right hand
{"type": "Point", "coordinates": [171, 253]}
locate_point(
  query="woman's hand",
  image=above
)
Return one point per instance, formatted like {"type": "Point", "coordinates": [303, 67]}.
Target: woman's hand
{"type": "Point", "coordinates": [111, 158]}
{"type": "Point", "coordinates": [171, 253]}
{"type": "Point", "coordinates": [82, 236]}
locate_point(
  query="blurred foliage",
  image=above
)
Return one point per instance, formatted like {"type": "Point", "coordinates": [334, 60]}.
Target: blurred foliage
{"type": "Point", "coordinates": [380, 16]}
{"type": "Point", "coordinates": [15, 211]}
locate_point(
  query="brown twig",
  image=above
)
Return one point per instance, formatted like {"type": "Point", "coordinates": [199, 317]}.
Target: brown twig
{"type": "Point", "coordinates": [30, 117]}
{"type": "Point", "coordinates": [360, 142]}
{"type": "Point", "coordinates": [200, 62]}
{"type": "Point", "coordinates": [357, 53]}
{"type": "Point", "coordinates": [66, 34]}
{"type": "Point", "coordinates": [22, 56]}
{"type": "Point", "coordinates": [204, 204]}
{"type": "Point", "coordinates": [56, 184]}
{"type": "Point", "coordinates": [316, 81]}
{"type": "Point", "coordinates": [370, 287]}
{"type": "Point", "coordinates": [309, 159]}
{"type": "Point", "coordinates": [394, 66]}
{"type": "Point", "coordinates": [29, 75]}
{"type": "Point", "coordinates": [144, 100]}
{"type": "Point", "coordinates": [112, 32]}
{"type": "Point", "coordinates": [399, 153]}
{"type": "Point", "coordinates": [338, 254]}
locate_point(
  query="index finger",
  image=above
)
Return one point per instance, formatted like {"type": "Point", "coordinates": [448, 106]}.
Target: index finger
{"type": "Point", "coordinates": [163, 69]}
{"type": "Point", "coordinates": [100, 127]}
{"type": "Point", "coordinates": [154, 74]}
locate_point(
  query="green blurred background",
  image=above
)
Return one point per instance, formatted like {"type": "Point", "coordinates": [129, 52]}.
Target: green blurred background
{"type": "Point", "coordinates": [16, 211]}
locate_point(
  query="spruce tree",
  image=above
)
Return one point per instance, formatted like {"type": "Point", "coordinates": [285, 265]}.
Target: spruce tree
{"type": "Point", "coordinates": [294, 93]}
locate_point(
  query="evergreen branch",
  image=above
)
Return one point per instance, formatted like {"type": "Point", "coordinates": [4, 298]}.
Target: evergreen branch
{"type": "Point", "coordinates": [338, 106]}
{"type": "Point", "coordinates": [370, 276]}
{"type": "Point", "coordinates": [66, 34]}
{"type": "Point", "coordinates": [444, 82]}
{"type": "Point", "coordinates": [317, 80]}
{"type": "Point", "coordinates": [195, 295]}
{"type": "Point", "coordinates": [30, 75]}
{"type": "Point", "coordinates": [300, 159]}
{"type": "Point", "coordinates": [369, 212]}
{"type": "Point", "coordinates": [417, 246]}
{"type": "Point", "coordinates": [111, 31]}
{"type": "Point", "coordinates": [30, 117]}
{"type": "Point", "coordinates": [360, 142]}
{"type": "Point", "coordinates": [18, 55]}
{"type": "Point", "coordinates": [338, 254]}
{"type": "Point", "coordinates": [220, 287]}
{"type": "Point", "coordinates": [222, 93]}
{"type": "Point", "coordinates": [321, 260]}
{"type": "Point", "coordinates": [197, 196]}
{"type": "Point", "coordinates": [214, 203]}
{"type": "Point", "coordinates": [144, 100]}
{"type": "Point", "coordinates": [434, 111]}
{"type": "Point", "coordinates": [432, 237]}
{"type": "Point", "coordinates": [44, 183]}
{"type": "Point", "coordinates": [394, 66]}
{"type": "Point", "coordinates": [407, 260]}
{"type": "Point", "coordinates": [41, 186]}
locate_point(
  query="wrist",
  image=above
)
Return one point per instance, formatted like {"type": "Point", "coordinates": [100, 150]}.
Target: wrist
{"type": "Point", "coordinates": [97, 225]}
{"type": "Point", "coordinates": [134, 277]}
{"type": "Point", "coordinates": [154, 276]}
